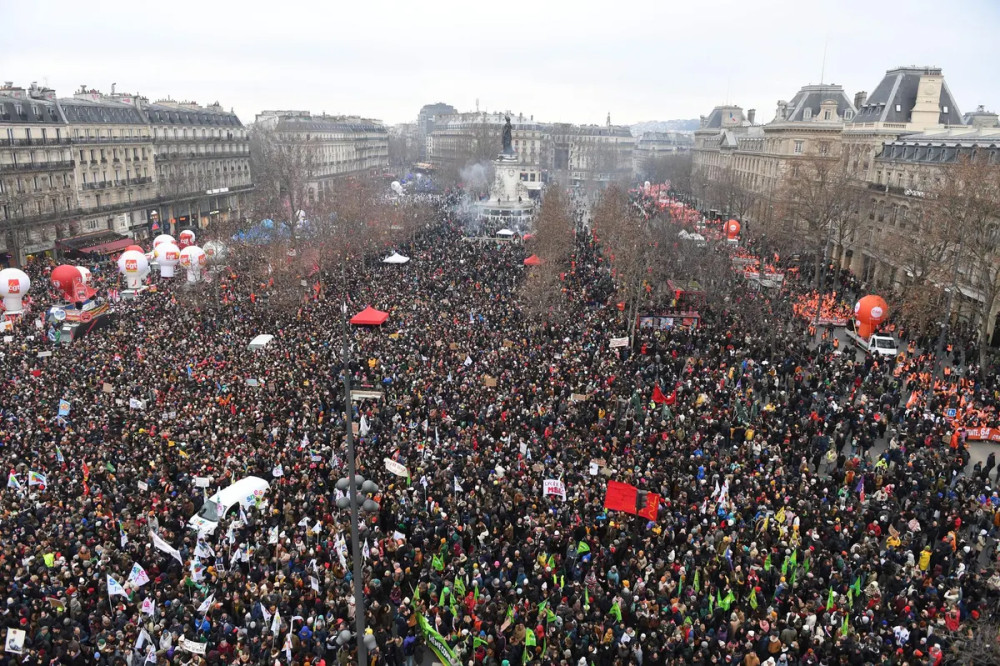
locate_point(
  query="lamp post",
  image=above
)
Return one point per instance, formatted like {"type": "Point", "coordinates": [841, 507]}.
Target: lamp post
{"type": "Point", "coordinates": [355, 485]}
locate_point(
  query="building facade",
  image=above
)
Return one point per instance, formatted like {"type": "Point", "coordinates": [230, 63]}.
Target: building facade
{"type": "Point", "coordinates": [202, 159]}
{"type": "Point", "coordinates": [84, 171]}
{"type": "Point", "coordinates": [342, 146]}
{"type": "Point", "coordinates": [651, 145]}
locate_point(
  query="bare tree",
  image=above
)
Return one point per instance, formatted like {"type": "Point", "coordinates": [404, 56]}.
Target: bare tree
{"type": "Point", "coordinates": [284, 169]}
{"type": "Point", "coordinates": [553, 242]}
{"type": "Point", "coordinates": [672, 167]}
{"type": "Point", "coordinates": [628, 240]}
{"type": "Point", "coordinates": [970, 193]}
{"type": "Point", "coordinates": [976, 643]}
{"type": "Point", "coordinates": [816, 204]}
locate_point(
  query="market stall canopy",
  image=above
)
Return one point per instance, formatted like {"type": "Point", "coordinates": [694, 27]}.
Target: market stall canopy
{"type": "Point", "coordinates": [395, 258]}
{"type": "Point", "coordinates": [369, 317]}
{"type": "Point", "coordinates": [505, 232]}
{"type": "Point", "coordinates": [533, 260]}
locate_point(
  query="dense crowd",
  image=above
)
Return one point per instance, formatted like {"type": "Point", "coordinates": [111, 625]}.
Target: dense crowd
{"type": "Point", "coordinates": [808, 516]}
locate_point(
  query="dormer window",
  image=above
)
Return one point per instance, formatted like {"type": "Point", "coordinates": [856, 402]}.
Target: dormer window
{"type": "Point", "coordinates": [899, 108]}
{"type": "Point", "coordinates": [944, 109]}
{"type": "Point", "coordinates": [807, 114]}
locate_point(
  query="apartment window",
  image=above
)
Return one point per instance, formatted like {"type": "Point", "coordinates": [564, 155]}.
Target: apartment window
{"type": "Point", "coordinates": [44, 134]}
{"type": "Point", "coordinates": [826, 114]}
{"type": "Point", "coordinates": [84, 177]}
{"type": "Point", "coordinates": [798, 147]}
{"type": "Point", "coordinates": [824, 148]}
{"type": "Point", "coordinates": [944, 109]}
{"type": "Point", "coordinates": [10, 135]}
{"type": "Point", "coordinates": [899, 108]}
{"type": "Point", "coordinates": [881, 211]}
{"type": "Point", "coordinates": [69, 203]}
{"type": "Point", "coordinates": [18, 109]}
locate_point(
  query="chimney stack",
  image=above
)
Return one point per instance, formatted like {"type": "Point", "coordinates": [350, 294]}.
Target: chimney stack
{"type": "Point", "coordinates": [751, 114]}
{"type": "Point", "coordinates": [859, 99]}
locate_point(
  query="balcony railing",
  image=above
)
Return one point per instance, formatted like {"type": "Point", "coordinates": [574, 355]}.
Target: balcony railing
{"type": "Point", "coordinates": [110, 139]}
{"type": "Point", "coordinates": [103, 185]}
{"type": "Point", "coordinates": [37, 141]}
{"type": "Point", "coordinates": [38, 166]}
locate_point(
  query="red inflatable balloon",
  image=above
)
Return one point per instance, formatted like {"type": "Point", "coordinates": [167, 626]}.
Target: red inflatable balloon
{"type": "Point", "coordinates": [137, 248]}
{"type": "Point", "coordinates": [871, 310]}
{"type": "Point", "coordinates": [66, 279]}
{"type": "Point", "coordinates": [732, 229]}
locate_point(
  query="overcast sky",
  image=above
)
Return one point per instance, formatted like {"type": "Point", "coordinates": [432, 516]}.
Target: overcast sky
{"type": "Point", "coordinates": [567, 61]}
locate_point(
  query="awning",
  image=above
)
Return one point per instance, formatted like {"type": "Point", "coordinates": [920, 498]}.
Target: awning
{"type": "Point", "coordinates": [93, 242]}
{"type": "Point", "coordinates": [108, 248]}
{"type": "Point", "coordinates": [533, 260]}
{"type": "Point", "coordinates": [395, 258]}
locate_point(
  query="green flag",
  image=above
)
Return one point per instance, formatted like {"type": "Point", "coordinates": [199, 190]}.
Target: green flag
{"type": "Point", "coordinates": [711, 603]}
{"type": "Point", "coordinates": [829, 599]}
{"type": "Point", "coordinates": [753, 599]}
{"type": "Point", "coordinates": [459, 587]}
{"type": "Point", "coordinates": [856, 586]}
{"type": "Point", "coordinates": [477, 641]}
{"type": "Point", "coordinates": [586, 599]}
{"type": "Point", "coordinates": [697, 580]}
{"type": "Point", "coordinates": [437, 563]}
{"type": "Point", "coordinates": [582, 547]}
{"type": "Point", "coordinates": [616, 611]}
{"type": "Point", "coordinates": [510, 613]}
{"type": "Point", "coordinates": [549, 616]}
{"type": "Point", "coordinates": [109, 467]}
{"type": "Point", "coordinates": [541, 606]}
{"type": "Point", "coordinates": [845, 627]}
{"type": "Point", "coordinates": [767, 562]}
{"type": "Point", "coordinates": [784, 567]}
{"type": "Point", "coordinates": [475, 593]}
{"type": "Point", "coordinates": [437, 644]}
{"type": "Point", "coordinates": [728, 600]}
{"type": "Point", "coordinates": [805, 564]}
{"type": "Point", "coordinates": [529, 638]}
{"type": "Point", "coordinates": [795, 557]}
{"type": "Point", "coordinates": [551, 562]}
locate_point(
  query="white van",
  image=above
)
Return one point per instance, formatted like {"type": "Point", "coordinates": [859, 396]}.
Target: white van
{"type": "Point", "coordinates": [878, 344]}
{"type": "Point", "coordinates": [247, 491]}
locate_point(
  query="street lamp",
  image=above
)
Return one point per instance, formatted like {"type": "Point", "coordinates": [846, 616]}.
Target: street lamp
{"type": "Point", "coordinates": [353, 499]}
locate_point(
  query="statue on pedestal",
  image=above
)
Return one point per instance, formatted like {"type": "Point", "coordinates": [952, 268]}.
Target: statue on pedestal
{"type": "Point", "coordinates": [507, 150]}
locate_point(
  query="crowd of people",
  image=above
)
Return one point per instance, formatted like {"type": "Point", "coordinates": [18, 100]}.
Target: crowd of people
{"type": "Point", "coordinates": [808, 514]}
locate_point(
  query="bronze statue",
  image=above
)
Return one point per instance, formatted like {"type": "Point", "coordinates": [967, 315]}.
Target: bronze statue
{"type": "Point", "coordinates": [506, 137]}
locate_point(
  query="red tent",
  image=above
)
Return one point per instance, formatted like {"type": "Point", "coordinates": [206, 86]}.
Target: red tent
{"type": "Point", "coordinates": [370, 317]}
{"type": "Point", "coordinates": [533, 260]}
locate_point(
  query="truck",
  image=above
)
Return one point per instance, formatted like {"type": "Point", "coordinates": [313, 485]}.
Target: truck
{"type": "Point", "coordinates": [877, 343]}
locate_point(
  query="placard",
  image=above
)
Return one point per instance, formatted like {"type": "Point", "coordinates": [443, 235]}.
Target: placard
{"type": "Point", "coordinates": [108, 388]}
{"type": "Point", "coordinates": [489, 381]}
{"type": "Point", "coordinates": [554, 487]}
{"type": "Point", "coordinates": [44, 354]}
{"type": "Point", "coordinates": [143, 486]}
{"type": "Point", "coordinates": [15, 641]}
{"type": "Point", "coordinates": [202, 481]}
{"type": "Point", "coordinates": [619, 342]}
{"type": "Point", "coordinates": [578, 397]}
{"type": "Point", "coordinates": [194, 647]}
{"type": "Point", "coordinates": [396, 468]}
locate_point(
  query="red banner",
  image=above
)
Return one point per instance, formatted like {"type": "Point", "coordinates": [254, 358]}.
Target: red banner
{"type": "Point", "coordinates": [620, 497]}
{"type": "Point", "coordinates": [652, 508]}
{"type": "Point", "coordinates": [980, 434]}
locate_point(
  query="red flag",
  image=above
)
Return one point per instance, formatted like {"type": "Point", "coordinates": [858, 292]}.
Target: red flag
{"type": "Point", "coordinates": [661, 399]}
{"type": "Point", "coordinates": [85, 469]}
{"type": "Point", "coordinates": [652, 507]}
{"type": "Point", "coordinates": [912, 401]}
{"type": "Point", "coordinates": [620, 497]}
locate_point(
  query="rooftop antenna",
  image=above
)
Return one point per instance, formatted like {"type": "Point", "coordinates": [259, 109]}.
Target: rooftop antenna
{"type": "Point", "coordinates": [729, 82]}
{"type": "Point", "coordinates": [822, 71]}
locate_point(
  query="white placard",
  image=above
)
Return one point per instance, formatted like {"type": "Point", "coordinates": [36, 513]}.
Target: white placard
{"type": "Point", "coordinates": [143, 486]}
{"type": "Point", "coordinates": [15, 641]}
{"type": "Point", "coordinates": [194, 647]}
{"type": "Point", "coordinates": [44, 354]}
{"type": "Point", "coordinates": [619, 342]}
{"type": "Point", "coordinates": [554, 487]}
{"type": "Point", "coordinates": [396, 468]}
{"type": "Point", "coordinates": [202, 481]}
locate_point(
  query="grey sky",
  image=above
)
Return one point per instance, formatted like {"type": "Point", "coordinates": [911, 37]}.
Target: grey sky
{"type": "Point", "coordinates": [569, 61]}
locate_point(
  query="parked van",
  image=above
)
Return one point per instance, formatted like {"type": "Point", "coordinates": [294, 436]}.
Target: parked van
{"type": "Point", "coordinates": [247, 491]}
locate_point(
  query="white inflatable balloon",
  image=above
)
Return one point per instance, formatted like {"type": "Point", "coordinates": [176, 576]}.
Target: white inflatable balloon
{"type": "Point", "coordinates": [193, 258]}
{"type": "Point", "coordinates": [215, 251]}
{"type": "Point", "coordinates": [162, 238]}
{"type": "Point", "coordinates": [85, 274]}
{"type": "Point", "coordinates": [14, 285]}
{"type": "Point", "coordinates": [134, 266]}
{"type": "Point", "coordinates": [187, 238]}
{"type": "Point", "coordinates": [167, 255]}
